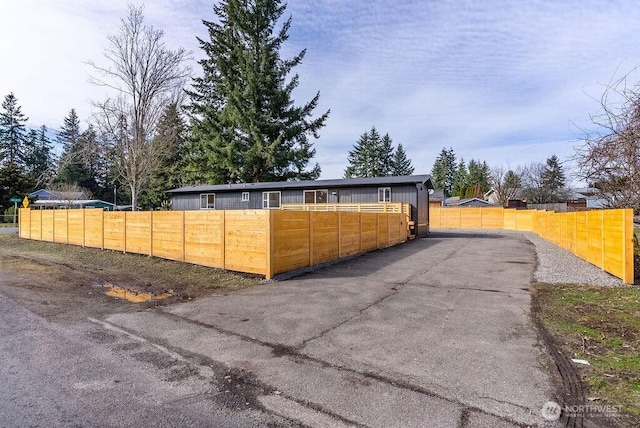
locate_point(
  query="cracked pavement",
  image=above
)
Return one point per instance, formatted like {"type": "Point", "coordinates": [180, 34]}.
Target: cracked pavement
{"type": "Point", "coordinates": [435, 332]}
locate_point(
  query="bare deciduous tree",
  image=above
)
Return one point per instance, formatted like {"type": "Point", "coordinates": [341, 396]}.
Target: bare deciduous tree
{"type": "Point", "coordinates": [609, 157]}
{"type": "Point", "coordinates": [505, 183]}
{"type": "Point", "coordinates": [69, 192]}
{"type": "Point", "coordinates": [146, 76]}
{"type": "Point", "coordinates": [535, 188]}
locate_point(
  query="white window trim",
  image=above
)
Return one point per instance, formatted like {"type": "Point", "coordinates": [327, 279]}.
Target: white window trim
{"type": "Point", "coordinates": [214, 201]}
{"type": "Point", "coordinates": [384, 191]}
{"type": "Point", "coordinates": [315, 196]}
{"type": "Point", "coordinates": [265, 200]}
{"type": "Point", "coordinates": [245, 196]}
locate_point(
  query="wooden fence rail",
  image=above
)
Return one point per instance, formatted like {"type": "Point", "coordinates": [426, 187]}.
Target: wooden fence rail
{"type": "Point", "coordinates": [264, 242]}
{"type": "Point", "coordinates": [601, 237]}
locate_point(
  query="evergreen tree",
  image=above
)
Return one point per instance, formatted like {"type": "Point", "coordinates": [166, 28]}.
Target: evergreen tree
{"type": "Point", "coordinates": [444, 170]}
{"type": "Point", "coordinates": [40, 160]}
{"type": "Point", "coordinates": [173, 131]}
{"type": "Point", "coordinates": [511, 180]}
{"type": "Point", "coordinates": [479, 179]}
{"type": "Point", "coordinates": [374, 156]}
{"type": "Point", "coordinates": [385, 156]}
{"type": "Point", "coordinates": [363, 159]}
{"type": "Point", "coordinates": [245, 125]}
{"type": "Point", "coordinates": [69, 133]}
{"type": "Point", "coordinates": [461, 180]}
{"type": "Point", "coordinates": [14, 182]}
{"type": "Point", "coordinates": [13, 135]}
{"type": "Point", "coordinates": [553, 175]}
{"type": "Point", "coordinates": [400, 164]}
{"type": "Point", "coordinates": [79, 155]}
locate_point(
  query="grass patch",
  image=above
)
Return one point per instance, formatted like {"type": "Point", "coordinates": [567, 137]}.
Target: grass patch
{"type": "Point", "coordinates": [602, 326]}
{"type": "Point", "coordinates": [181, 279]}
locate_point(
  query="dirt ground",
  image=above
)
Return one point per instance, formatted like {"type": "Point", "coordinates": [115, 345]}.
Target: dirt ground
{"type": "Point", "coordinates": [52, 278]}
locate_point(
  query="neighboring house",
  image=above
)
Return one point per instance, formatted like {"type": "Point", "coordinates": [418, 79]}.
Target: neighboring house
{"type": "Point", "coordinates": [413, 190]}
{"type": "Point", "coordinates": [50, 195]}
{"type": "Point", "coordinates": [76, 203]}
{"type": "Point", "coordinates": [516, 197]}
{"type": "Point", "coordinates": [54, 199]}
{"type": "Point", "coordinates": [593, 197]}
{"type": "Point", "coordinates": [470, 202]}
{"type": "Point", "coordinates": [436, 199]}
{"type": "Point", "coordinates": [575, 199]}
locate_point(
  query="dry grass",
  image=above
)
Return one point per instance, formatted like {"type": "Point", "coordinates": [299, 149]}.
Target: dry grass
{"type": "Point", "coordinates": [182, 279]}
{"type": "Point", "coordinates": [602, 326]}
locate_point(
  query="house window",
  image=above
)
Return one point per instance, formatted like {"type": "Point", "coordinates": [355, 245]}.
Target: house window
{"type": "Point", "coordinates": [270, 200]}
{"type": "Point", "coordinates": [384, 194]}
{"type": "Point", "coordinates": [315, 196]}
{"type": "Point", "coordinates": [208, 201]}
{"type": "Point", "coordinates": [245, 196]}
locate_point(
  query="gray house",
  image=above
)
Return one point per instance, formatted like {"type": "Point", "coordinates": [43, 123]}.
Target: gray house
{"type": "Point", "coordinates": [413, 190]}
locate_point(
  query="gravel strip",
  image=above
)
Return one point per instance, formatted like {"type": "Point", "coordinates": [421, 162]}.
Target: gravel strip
{"type": "Point", "coordinates": [556, 265]}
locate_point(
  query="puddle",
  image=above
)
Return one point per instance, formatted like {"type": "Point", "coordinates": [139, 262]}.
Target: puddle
{"type": "Point", "coordinates": [133, 296]}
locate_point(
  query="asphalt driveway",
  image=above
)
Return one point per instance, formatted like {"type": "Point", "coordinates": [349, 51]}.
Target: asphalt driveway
{"type": "Point", "coordinates": [435, 332]}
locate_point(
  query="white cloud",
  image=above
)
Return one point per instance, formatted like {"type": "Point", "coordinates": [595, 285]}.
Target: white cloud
{"type": "Point", "coordinates": [497, 81]}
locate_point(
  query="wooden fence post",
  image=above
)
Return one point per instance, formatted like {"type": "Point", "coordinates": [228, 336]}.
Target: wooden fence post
{"type": "Point", "coordinates": [602, 239]}
{"type": "Point", "coordinates": [151, 233]}
{"type": "Point", "coordinates": [224, 238]}
{"type": "Point", "coordinates": [339, 234]}
{"type": "Point", "coordinates": [377, 230]}
{"type": "Point", "coordinates": [125, 231]}
{"type": "Point", "coordinates": [627, 246]}
{"type": "Point", "coordinates": [311, 215]}
{"type": "Point", "coordinates": [84, 232]}
{"type": "Point", "coordinates": [360, 243]}
{"type": "Point", "coordinates": [184, 243]}
{"type": "Point", "coordinates": [102, 221]}
{"type": "Point", "coordinates": [269, 246]}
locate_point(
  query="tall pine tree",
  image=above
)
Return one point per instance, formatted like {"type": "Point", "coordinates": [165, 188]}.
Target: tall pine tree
{"type": "Point", "coordinates": [364, 160]}
{"type": "Point", "coordinates": [400, 163]}
{"type": "Point", "coordinates": [460, 180]}
{"type": "Point", "coordinates": [444, 171]}
{"type": "Point", "coordinates": [169, 175]}
{"type": "Point", "coordinates": [374, 156]}
{"type": "Point", "coordinates": [78, 154]}
{"type": "Point", "coordinates": [246, 127]}
{"type": "Point", "coordinates": [478, 178]}
{"type": "Point", "coordinates": [13, 134]}
{"type": "Point", "coordinates": [14, 180]}
{"type": "Point", "coordinates": [40, 159]}
{"type": "Point", "coordinates": [553, 175]}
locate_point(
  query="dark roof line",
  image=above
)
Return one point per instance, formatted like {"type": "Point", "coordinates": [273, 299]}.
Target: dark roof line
{"type": "Point", "coordinates": [311, 184]}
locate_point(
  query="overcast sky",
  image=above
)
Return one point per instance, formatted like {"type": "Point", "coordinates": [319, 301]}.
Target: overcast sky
{"type": "Point", "coordinates": [503, 82]}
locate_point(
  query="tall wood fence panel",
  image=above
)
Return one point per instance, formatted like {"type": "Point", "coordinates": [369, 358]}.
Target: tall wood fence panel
{"type": "Point", "coordinates": [601, 237]}
{"type": "Point", "coordinates": [308, 238]}
{"type": "Point", "coordinates": [264, 242]}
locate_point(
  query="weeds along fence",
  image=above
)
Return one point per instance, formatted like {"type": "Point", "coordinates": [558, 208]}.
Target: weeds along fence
{"type": "Point", "coordinates": [264, 242]}
{"type": "Point", "coordinates": [601, 237]}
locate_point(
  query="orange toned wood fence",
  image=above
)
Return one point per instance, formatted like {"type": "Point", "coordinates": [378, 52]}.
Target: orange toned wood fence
{"type": "Point", "coordinates": [264, 242]}
{"type": "Point", "coordinates": [601, 237]}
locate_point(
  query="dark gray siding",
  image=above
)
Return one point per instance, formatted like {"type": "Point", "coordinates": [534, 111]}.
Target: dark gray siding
{"type": "Point", "coordinates": [185, 202]}
{"type": "Point", "coordinates": [232, 200]}
{"type": "Point", "coordinates": [422, 219]}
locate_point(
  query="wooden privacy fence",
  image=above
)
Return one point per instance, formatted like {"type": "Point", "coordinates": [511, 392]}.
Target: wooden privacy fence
{"type": "Point", "coordinates": [601, 237]}
{"type": "Point", "coordinates": [264, 242]}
